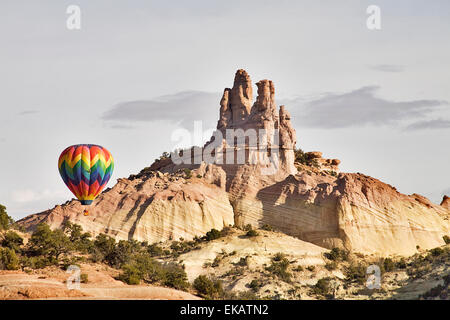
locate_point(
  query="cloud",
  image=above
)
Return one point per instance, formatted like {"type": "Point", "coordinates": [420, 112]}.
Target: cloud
{"type": "Point", "coordinates": [27, 195]}
{"type": "Point", "coordinates": [429, 124]}
{"type": "Point", "coordinates": [388, 68]}
{"type": "Point", "coordinates": [183, 107]}
{"type": "Point", "coordinates": [27, 112]}
{"type": "Point", "coordinates": [358, 108]}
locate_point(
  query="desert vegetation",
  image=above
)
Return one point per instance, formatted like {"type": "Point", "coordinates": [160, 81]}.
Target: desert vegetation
{"type": "Point", "coordinates": [343, 274]}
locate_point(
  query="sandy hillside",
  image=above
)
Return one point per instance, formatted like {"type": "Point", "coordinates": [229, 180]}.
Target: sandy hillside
{"type": "Point", "coordinates": [50, 283]}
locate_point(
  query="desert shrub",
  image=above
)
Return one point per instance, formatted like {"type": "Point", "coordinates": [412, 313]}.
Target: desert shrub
{"type": "Point", "coordinates": [174, 276]}
{"type": "Point", "coordinates": [434, 292]}
{"type": "Point", "coordinates": [65, 262]}
{"type": "Point", "coordinates": [446, 239]}
{"type": "Point", "coordinates": [208, 288]}
{"type": "Point", "coordinates": [435, 252]}
{"type": "Point", "coordinates": [242, 295]}
{"type": "Point", "coordinates": [84, 278]}
{"type": "Point", "coordinates": [243, 261]}
{"type": "Point", "coordinates": [337, 254]}
{"type": "Point", "coordinates": [130, 274]}
{"type": "Point", "coordinates": [267, 227]}
{"type": "Point", "coordinates": [103, 248]}
{"type": "Point", "coordinates": [213, 234]}
{"type": "Point", "coordinates": [446, 279]}
{"type": "Point", "coordinates": [331, 265]}
{"type": "Point", "coordinates": [389, 265]}
{"type": "Point", "coordinates": [279, 267]}
{"type": "Point", "coordinates": [216, 261]}
{"type": "Point", "coordinates": [311, 268]}
{"type": "Point", "coordinates": [255, 284]}
{"type": "Point", "coordinates": [13, 241]}
{"type": "Point", "coordinates": [154, 250]}
{"type": "Point", "coordinates": [80, 240]}
{"type": "Point", "coordinates": [8, 259]}
{"type": "Point", "coordinates": [252, 233]}
{"type": "Point", "coordinates": [144, 267]}
{"type": "Point", "coordinates": [322, 286]}
{"type": "Point", "coordinates": [122, 253]}
{"type": "Point", "coordinates": [278, 256]}
{"type": "Point", "coordinates": [48, 243]}
{"type": "Point", "coordinates": [188, 173]}
{"type": "Point", "coordinates": [356, 272]}
{"type": "Point", "coordinates": [5, 220]}
{"type": "Point", "coordinates": [303, 158]}
{"type": "Point", "coordinates": [401, 264]}
{"type": "Point", "coordinates": [298, 268]}
{"type": "Point", "coordinates": [247, 227]}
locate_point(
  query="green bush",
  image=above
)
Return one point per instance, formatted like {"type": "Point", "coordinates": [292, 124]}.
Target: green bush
{"type": "Point", "coordinates": [252, 233]}
{"type": "Point", "coordinates": [337, 254]}
{"type": "Point", "coordinates": [154, 250]}
{"type": "Point", "coordinates": [38, 262]}
{"type": "Point", "coordinates": [130, 274]}
{"type": "Point", "coordinates": [322, 286]}
{"type": "Point", "coordinates": [435, 252]}
{"type": "Point", "coordinates": [8, 259]}
{"type": "Point", "coordinates": [174, 276]}
{"type": "Point", "coordinates": [446, 239]}
{"type": "Point", "coordinates": [103, 248]}
{"type": "Point", "coordinates": [356, 272]}
{"type": "Point", "coordinates": [267, 227]}
{"type": "Point", "coordinates": [303, 158]}
{"type": "Point", "coordinates": [188, 173]}
{"type": "Point", "coordinates": [144, 267]}
{"type": "Point", "coordinates": [331, 265]}
{"type": "Point", "coordinates": [389, 265]}
{"type": "Point", "coordinates": [213, 234]}
{"type": "Point", "coordinates": [13, 241]}
{"type": "Point", "coordinates": [122, 253]}
{"type": "Point", "coordinates": [279, 267]}
{"type": "Point", "coordinates": [243, 261]}
{"type": "Point", "coordinates": [48, 243]}
{"type": "Point", "coordinates": [278, 256]}
{"type": "Point", "coordinates": [84, 278]}
{"type": "Point", "coordinates": [80, 240]}
{"type": "Point", "coordinates": [255, 284]}
{"type": "Point", "coordinates": [208, 288]}
{"type": "Point", "coordinates": [5, 220]}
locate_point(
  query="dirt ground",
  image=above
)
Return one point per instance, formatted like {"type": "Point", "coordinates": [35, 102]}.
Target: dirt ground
{"type": "Point", "coordinates": [51, 283]}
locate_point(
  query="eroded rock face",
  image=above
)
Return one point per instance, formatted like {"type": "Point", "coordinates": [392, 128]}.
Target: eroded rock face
{"type": "Point", "coordinates": [446, 202]}
{"type": "Point", "coordinates": [153, 207]}
{"type": "Point", "coordinates": [353, 211]}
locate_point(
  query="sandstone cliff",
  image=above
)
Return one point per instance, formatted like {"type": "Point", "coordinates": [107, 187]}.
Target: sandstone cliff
{"type": "Point", "coordinates": [149, 207]}
{"type": "Point", "coordinates": [316, 204]}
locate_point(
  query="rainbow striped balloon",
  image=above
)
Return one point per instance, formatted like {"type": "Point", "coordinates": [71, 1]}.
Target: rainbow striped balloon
{"type": "Point", "coordinates": [86, 169]}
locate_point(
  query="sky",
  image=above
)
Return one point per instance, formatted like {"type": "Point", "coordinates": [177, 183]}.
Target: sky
{"type": "Point", "coordinates": [137, 71]}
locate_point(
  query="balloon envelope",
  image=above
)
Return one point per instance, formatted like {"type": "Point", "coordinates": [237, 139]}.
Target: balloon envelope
{"type": "Point", "coordinates": [86, 169]}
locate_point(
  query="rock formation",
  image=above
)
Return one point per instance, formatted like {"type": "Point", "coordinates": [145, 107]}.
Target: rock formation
{"type": "Point", "coordinates": [318, 205]}
{"type": "Point", "coordinates": [151, 206]}
{"type": "Point", "coordinates": [446, 202]}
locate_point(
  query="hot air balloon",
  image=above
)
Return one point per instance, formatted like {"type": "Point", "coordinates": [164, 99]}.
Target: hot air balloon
{"type": "Point", "coordinates": [86, 169]}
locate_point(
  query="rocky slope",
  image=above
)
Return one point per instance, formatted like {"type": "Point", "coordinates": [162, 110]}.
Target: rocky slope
{"type": "Point", "coordinates": [313, 203]}
{"type": "Point", "coordinates": [149, 207]}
